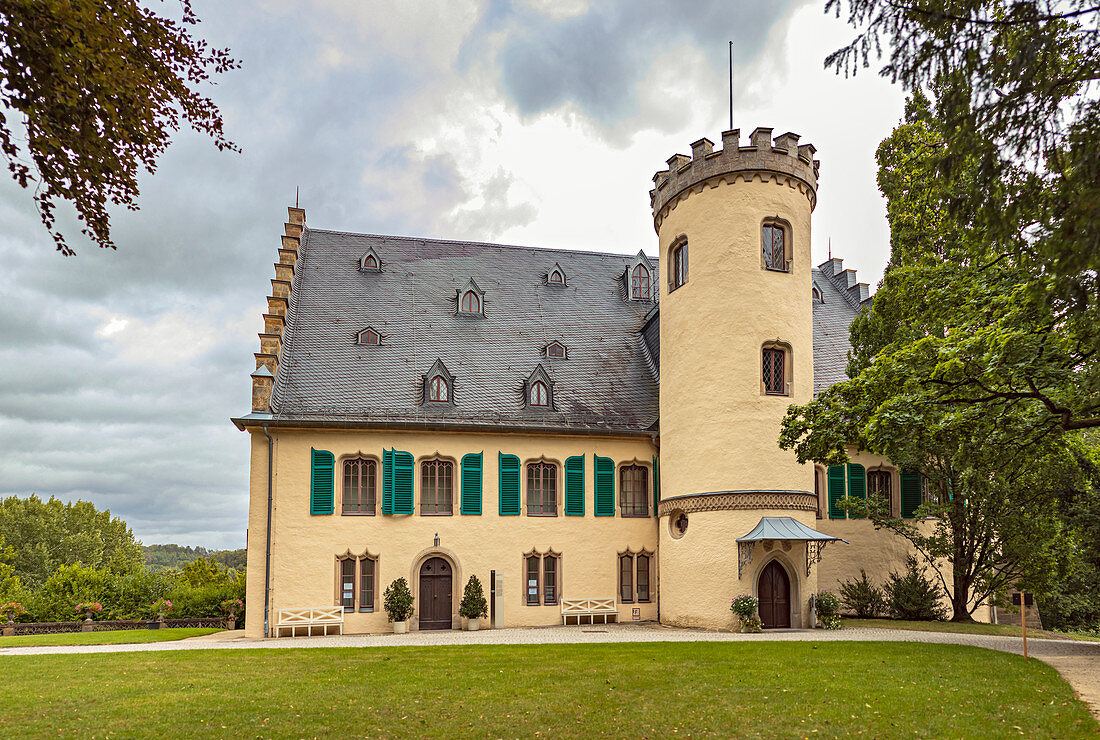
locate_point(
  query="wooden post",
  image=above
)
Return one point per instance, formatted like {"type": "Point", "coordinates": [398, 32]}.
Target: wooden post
{"type": "Point", "coordinates": [1023, 621]}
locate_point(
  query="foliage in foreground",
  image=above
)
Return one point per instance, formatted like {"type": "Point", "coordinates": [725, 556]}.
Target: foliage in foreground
{"type": "Point", "coordinates": [775, 689]}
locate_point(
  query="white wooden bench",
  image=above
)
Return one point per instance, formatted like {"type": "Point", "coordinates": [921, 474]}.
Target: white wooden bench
{"type": "Point", "coordinates": [324, 617]}
{"type": "Point", "coordinates": [580, 609]}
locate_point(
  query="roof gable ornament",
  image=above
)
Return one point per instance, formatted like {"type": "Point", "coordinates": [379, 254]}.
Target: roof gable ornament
{"type": "Point", "coordinates": [556, 276]}
{"type": "Point", "coordinates": [638, 279]}
{"type": "Point", "coordinates": [538, 390]}
{"type": "Point", "coordinates": [370, 261]}
{"type": "Point", "coordinates": [437, 386]}
{"type": "Point", "coordinates": [470, 300]}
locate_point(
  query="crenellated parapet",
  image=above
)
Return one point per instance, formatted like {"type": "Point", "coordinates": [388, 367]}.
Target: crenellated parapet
{"type": "Point", "coordinates": [278, 303]}
{"type": "Point", "coordinates": [782, 161]}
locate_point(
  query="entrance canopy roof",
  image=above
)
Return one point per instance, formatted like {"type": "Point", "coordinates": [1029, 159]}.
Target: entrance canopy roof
{"type": "Point", "coordinates": [785, 528]}
{"type": "Point", "coordinates": [782, 529]}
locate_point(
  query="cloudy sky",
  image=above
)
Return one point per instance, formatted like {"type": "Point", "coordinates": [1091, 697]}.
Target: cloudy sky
{"type": "Point", "coordinates": [494, 120]}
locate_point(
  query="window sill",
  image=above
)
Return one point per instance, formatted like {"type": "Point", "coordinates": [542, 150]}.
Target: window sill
{"type": "Point", "coordinates": [357, 513]}
{"type": "Point", "coordinates": [437, 513]}
{"type": "Point", "coordinates": [777, 269]}
{"type": "Point", "coordinates": [533, 513]}
{"type": "Point", "coordinates": [777, 393]}
{"type": "Point", "coordinates": [634, 516]}
{"type": "Point", "coordinates": [363, 610]}
{"type": "Point", "coordinates": [645, 601]}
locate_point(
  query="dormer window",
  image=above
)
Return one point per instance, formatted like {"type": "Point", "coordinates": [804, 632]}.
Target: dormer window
{"type": "Point", "coordinates": [439, 385]}
{"type": "Point", "coordinates": [538, 391]}
{"type": "Point", "coordinates": [369, 336]}
{"type": "Point", "coordinates": [539, 395]}
{"type": "Point", "coordinates": [437, 389]}
{"type": "Point", "coordinates": [815, 292]}
{"type": "Point", "coordinates": [555, 350]}
{"type": "Point", "coordinates": [471, 300]}
{"type": "Point", "coordinates": [556, 276]}
{"type": "Point", "coordinates": [370, 262]}
{"type": "Point", "coordinates": [639, 283]}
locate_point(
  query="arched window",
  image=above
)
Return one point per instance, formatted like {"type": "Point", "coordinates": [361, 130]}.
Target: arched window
{"type": "Point", "coordinates": [436, 487]}
{"type": "Point", "coordinates": [471, 302]}
{"type": "Point", "coordinates": [775, 246]}
{"type": "Point", "coordinates": [542, 489]}
{"type": "Point", "coordinates": [775, 370]}
{"type": "Point", "coordinates": [678, 269]}
{"type": "Point", "coordinates": [370, 262]}
{"type": "Point", "coordinates": [816, 294]}
{"type": "Point", "coordinates": [639, 283]}
{"type": "Point", "coordinates": [556, 277]}
{"type": "Point", "coordinates": [360, 486]}
{"type": "Point", "coordinates": [539, 396]}
{"type": "Point", "coordinates": [437, 389]}
{"type": "Point", "coordinates": [634, 490]}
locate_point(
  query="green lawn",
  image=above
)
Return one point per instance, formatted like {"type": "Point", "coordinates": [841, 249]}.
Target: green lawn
{"type": "Point", "coordinates": [975, 628]}
{"type": "Point", "coordinates": [656, 690]}
{"type": "Point", "coordinates": [111, 637]}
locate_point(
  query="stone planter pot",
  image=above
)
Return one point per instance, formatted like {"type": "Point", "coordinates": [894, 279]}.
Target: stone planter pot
{"type": "Point", "coordinates": [231, 623]}
{"type": "Point", "coordinates": [473, 625]}
{"type": "Point", "coordinates": [9, 629]}
{"type": "Point", "coordinates": [400, 628]}
{"type": "Point", "coordinates": [152, 624]}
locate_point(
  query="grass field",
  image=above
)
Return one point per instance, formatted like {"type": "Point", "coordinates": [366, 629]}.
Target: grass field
{"type": "Point", "coordinates": [771, 689]}
{"type": "Point", "coordinates": [974, 628]}
{"type": "Point", "coordinates": [111, 637]}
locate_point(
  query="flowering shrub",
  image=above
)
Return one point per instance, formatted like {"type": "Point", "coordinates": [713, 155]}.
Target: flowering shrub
{"type": "Point", "coordinates": [161, 607]}
{"type": "Point", "coordinates": [89, 607]}
{"type": "Point", "coordinates": [12, 609]}
{"type": "Point", "coordinates": [744, 606]}
{"type": "Point", "coordinates": [831, 622]}
{"type": "Point", "coordinates": [232, 607]}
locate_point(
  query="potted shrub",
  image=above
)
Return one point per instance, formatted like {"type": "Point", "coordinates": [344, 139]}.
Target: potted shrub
{"type": "Point", "coordinates": [397, 600]}
{"type": "Point", "coordinates": [828, 610]}
{"type": "Point", "coordinates": [88, 609]}
{"type": "Point", "coordinates": [473, 606]}
{"type": "Point", "coordinates": [160, 609]}
{"type": "Point", "coordinates": [744, 607]}
{"type": "Point", "coordinates": [10, 611]}
{"type": "Point", "coordinates": [231, 608]}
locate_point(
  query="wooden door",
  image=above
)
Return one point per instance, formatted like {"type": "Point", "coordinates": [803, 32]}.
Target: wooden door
{"type": "Point", "coordinates": [775, 596]}
{"type": "Point", "coordinates": [435, 595]}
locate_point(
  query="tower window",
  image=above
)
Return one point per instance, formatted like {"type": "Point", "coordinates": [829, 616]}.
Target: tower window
{"type": "Point", "coordinates": [639, 283]}
{"type": "Point", "coordinates": [678, 269]}
{"type": "Point", "coordinates": [775, 246]}
{"type": "Point", "coordinates": [539, 395]}
{"type": "Point", "coordinates": [437, 389]}
{"type": "Point", "coordinates": [774, 371]}
{"type": "Point", "coordinates": [471, 302]}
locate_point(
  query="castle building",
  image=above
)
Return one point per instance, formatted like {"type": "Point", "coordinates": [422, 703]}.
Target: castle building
{"type": "Point", "coordinates": [568, 426]}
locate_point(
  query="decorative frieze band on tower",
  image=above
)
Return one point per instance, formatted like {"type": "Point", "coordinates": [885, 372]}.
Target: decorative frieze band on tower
{"type": "Point", "coordinates": [783, 162]}
{"type": "Point", "coordinates": [278, 303]}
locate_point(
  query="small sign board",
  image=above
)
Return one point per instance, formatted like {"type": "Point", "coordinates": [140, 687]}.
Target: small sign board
{"type": "Point", "coordinates": [1028, 599]}
{"type": "Point", "coordinates": [636, 615]}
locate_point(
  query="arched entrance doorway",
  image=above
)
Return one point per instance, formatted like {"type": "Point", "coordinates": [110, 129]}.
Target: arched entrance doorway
{"type": "Point", "coordinates": [435, 594]}
{"type": "Point", "coordinates": [775, 596]}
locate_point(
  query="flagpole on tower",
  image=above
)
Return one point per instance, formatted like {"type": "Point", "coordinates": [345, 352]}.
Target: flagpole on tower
{"type": "Point", "coordinates": [731, 86]}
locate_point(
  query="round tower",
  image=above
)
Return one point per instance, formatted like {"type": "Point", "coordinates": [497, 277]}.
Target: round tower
{"type": "Point", "coordinates": [736, 350]}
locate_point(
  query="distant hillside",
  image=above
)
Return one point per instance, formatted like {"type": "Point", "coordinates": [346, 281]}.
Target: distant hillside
{"type": "Point", "coordinates": [159, 557]}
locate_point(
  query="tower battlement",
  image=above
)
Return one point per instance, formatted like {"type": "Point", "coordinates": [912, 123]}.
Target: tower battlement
{"type": "Point", "coordinates": [783, 161]}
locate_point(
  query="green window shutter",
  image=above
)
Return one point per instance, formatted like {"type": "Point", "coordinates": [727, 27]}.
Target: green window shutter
{"type": "Point", "coordinates": [604, 500]}
{"type": "Point", "coordinates": [509, 484]}
{"type": "Point", "coordinates": [322, 465]}
{"type": "Point", "coordinates": [387, 481]}
{"type": "Point", "coordinates": [402, 482]}
{"type": "Point", "coordinates": [656, 485]}
{"type": "Point", "coordinates": [857, 481]}
{"type": "Point", "coordinates": [836, 491]}
{"type": "Point", "coordinates": [471, 483]}
{"type": "Point", "coordinates": [574, 486]}
{"type": "Point", "coordinates": [910, 492]}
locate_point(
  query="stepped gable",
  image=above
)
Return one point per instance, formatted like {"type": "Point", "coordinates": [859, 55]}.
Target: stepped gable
{"type": "Point", "coordinates": [842, 297]}
{"type": "Point", "coordinates": [605, 383]}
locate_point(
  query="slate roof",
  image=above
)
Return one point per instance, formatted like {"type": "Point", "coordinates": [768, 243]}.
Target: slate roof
{"type": "Point", "coordinates": [606, 381]}
{"type": "Point", "coordinates": [609, 380]}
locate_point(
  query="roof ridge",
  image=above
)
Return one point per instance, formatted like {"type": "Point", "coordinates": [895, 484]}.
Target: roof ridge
{"type": "Point", "coordinates": [484, 244]}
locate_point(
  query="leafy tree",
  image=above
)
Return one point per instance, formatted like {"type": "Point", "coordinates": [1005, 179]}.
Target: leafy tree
{"type": "Point", "coordinates": [1018, 168]}
{"type": "Point", "coordinates": [48, 534]}
{"type": "Point", "coordinates": [951, 305]}
{"type": "Point", "coordinates": [96, 88]}
{"type": "Point", "coordinates": [1074, 603]}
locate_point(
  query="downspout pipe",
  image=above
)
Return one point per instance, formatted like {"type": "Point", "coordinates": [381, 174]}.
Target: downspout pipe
{"type": "Point", "coordinates": [267, 527]}
{"type": "Point", "coordinates": [655, 438]}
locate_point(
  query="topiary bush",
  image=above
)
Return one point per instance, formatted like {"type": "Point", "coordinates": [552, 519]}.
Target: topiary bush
{"type": "Point", "coordinates": [863, 598]}
{"type": "Point", "coordinates": [397, 600]}
{"type": "Point", "coordinates": [912, 595]}
{"type": "Point", "coordinates": [473, 605]}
